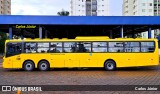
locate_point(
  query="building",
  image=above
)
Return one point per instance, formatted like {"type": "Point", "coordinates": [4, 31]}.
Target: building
{"type": "Point", "coordinates": [142, 8]}
{"type": "Point", "coordinates": [5, 7]}
{"type": "Point", "coordinates": [138, 7]}
{"type": "Point", "coordinates": [89, 7]}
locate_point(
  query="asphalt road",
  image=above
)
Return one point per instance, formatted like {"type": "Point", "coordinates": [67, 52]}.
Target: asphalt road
{"type": "Point", "coordinates": [125, 76]}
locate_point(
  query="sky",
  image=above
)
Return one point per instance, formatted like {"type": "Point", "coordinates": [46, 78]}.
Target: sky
{"type": "Point", "coordinates": [116, 7]}
{"type": "Point", "coordinates": [51, 7]}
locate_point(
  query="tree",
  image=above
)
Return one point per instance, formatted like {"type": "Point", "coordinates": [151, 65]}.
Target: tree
{"type": "Point", "coordinates": [63, 13]}
{"type": "Point", "coordinates": [3, 38]}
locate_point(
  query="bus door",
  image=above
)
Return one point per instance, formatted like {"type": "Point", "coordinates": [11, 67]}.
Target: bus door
{"type": "Point", "coordinates": [13, 54]}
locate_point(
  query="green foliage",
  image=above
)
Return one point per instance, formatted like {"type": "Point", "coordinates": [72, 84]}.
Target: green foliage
{"type": "Point", "coordinates": [63, 13]}
{"type": "Point", "coordinates": [3, 38]}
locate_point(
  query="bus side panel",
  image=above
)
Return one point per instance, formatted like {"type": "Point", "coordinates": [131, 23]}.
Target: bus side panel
{"type": "Point", "coordinates": [71, 61]}
{"type": "Point", "coordinates": [149, 58]}
{"type": "Point", "coordinates": [12, 62]}
{"type": "Point", "coordinates": [119, 58]}
{"type": "Point", "coordinates": [35, 57]}
{"type": "Point", "coordinates": [16, 61]}
{"type": "Point", "coordinates": [57, 60]}
{"type": "Point", "coordinates": [128, 59]}
{"type": "Point", "coordinates": [87, 59]}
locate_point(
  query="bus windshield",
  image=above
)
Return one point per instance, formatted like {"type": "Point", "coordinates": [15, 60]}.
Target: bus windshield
{"type": "Point", "coordinates": [13, 49]}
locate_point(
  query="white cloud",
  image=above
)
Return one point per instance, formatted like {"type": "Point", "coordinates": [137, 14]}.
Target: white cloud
{"type": "Point", "coordinates": [39, 7]}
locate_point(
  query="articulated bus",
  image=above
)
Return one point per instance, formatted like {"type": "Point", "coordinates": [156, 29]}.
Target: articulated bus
{"type": "Point", "coordinates": [81, 52]}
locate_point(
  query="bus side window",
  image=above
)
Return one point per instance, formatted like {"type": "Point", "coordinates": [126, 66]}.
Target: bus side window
{"type": "Point", "coordinates": [69, 47]}
{"type": "Point", "coordinates": [30, 47]}
{"type": "Point", "coordinates": [53, 50]}
{"type": "Point", "coordinates": [55, 47]}
{"type": "Point", "coordinates": [116, 47]}
{"type": "Point", "coordinates": [73, 48]}
{"type": "Point", "coordinates": [132, 46]}
{"type": "Point", "coordinates": [147, 46]}
{"type": "Point", "coordinates": [84, 47]}
{"type": "Point", "coordinates": [150, 49]}
{"type": "Point", "coordinates": [81, 48]}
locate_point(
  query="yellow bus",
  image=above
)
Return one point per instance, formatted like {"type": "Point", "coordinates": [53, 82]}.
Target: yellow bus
{"type": "Point", "coordinates": [81, 52]}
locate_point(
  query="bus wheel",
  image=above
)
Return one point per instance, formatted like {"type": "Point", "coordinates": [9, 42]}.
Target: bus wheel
{"type": "Point", "coordinates": [28, 66]}
{"type": "Point", "coordinates": [110, 65]}
{"type": "Point", "coordinates": [43, 65]}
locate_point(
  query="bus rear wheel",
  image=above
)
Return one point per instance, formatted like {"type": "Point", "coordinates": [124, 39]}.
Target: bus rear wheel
{"type": "Point", "coordinates": [28, 66]}
{"type": "Point", "coordinates": [110, 65]}
{"type": "Point", "coordinates": [43, 65]}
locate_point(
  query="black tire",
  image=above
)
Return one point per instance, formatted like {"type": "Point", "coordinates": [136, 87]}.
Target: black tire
{"type": "Point", "coordinates": [43, 66]}
{"type": "Point", "coordinates": [28, 66]}
{"type": "Point", "coordinates": [110, 65]}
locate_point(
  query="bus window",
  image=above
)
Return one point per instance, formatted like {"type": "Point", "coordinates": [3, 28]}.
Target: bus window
{"type": "Point", "coordinates": [116, 47]}
{"type": "Point", "coordinates": [70, 47]}
{"type": "Point", "coordinates": [132, 46]}
{"type": "Point", "coordinates": [99, 47]}
{"type": "Point", "coordinates": [43, 47]}
{"type": "Point", "coordinates": [13, 49]}
{"type": "Point", "coordinates": [84, 47]}
{"type": "Point", "coordinates": [30, 48]}
{"type": "Point", "coordinates": [56, 47]}
{"type": "Point", "coordinates": [147, 46]}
